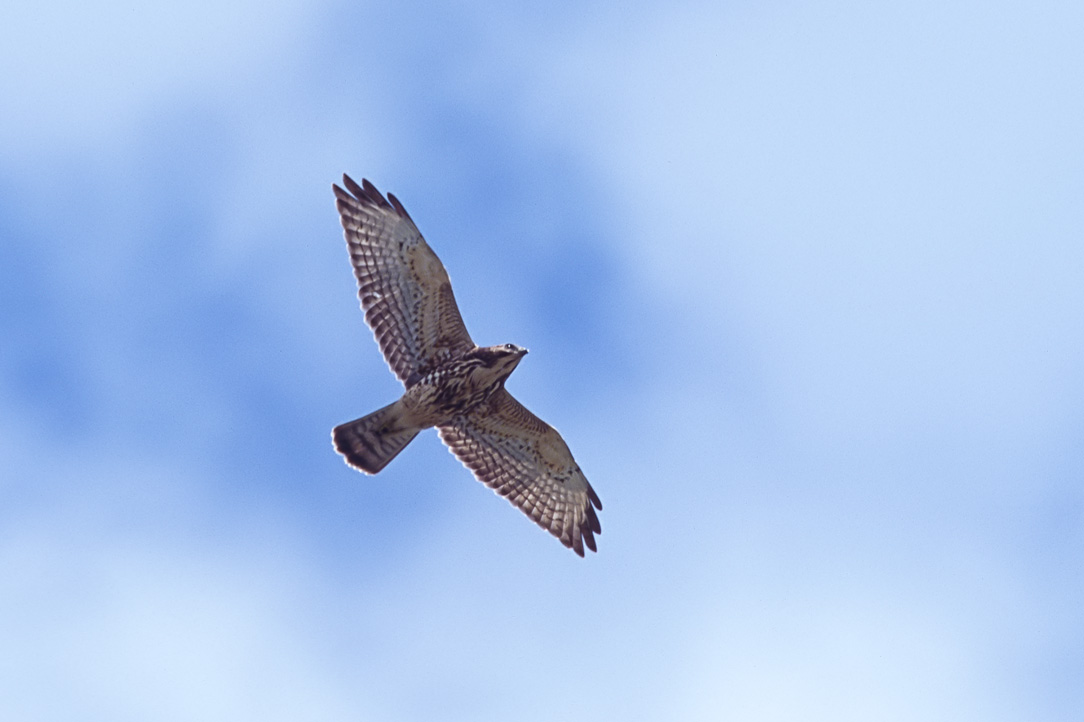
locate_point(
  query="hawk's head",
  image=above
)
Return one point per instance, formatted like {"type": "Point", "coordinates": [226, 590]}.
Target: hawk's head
{"type": "Point", "coordinates": [500, 360]}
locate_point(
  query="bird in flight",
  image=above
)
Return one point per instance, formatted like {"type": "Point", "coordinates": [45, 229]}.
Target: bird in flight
{"type": "Point", "coordinates": [451, 383]}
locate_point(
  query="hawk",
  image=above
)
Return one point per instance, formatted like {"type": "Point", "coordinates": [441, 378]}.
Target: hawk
{"type": "Point", "coordinates": [451, 383]}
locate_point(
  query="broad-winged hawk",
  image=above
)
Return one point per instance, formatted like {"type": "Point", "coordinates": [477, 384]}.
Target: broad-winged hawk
{"type": "Point", "coordinates": [450, 382]}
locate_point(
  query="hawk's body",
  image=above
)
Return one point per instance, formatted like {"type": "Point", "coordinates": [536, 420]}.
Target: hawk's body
{"type": "Point", "coordinates": [450, 382]}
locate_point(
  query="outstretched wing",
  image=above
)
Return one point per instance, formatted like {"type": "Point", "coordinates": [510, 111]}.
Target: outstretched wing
{"type": "Point", "coordinates": [403, 287]}
{"type": "Point", "coordinates": [525, 460]}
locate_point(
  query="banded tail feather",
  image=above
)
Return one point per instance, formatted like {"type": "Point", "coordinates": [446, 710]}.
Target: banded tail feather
{"type": "Point", "coordinates": [372, 441]}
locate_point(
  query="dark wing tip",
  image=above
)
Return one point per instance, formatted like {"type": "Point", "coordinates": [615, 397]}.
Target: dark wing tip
{"type": "Point", "coordinates": [592, 521]}
{"type": "Point", "coordinates": [353, 187]}
{"type": "Point", "coordinates": [594, 499]}
{"type": "Point", "coordinates": [584, 533]}
{"type": "Point", "coordinates": [366, 193]}
{"type": "Point", "coordinates": [577, 543]}
{"type": "Point", "coordinates": [589, 526]}
{"type": "Point", "coordinates": [399, 207]}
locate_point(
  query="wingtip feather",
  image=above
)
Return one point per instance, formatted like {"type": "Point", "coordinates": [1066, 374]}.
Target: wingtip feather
{"type": "Point", "coordinates": [399, 207]}
{"type": "Point", "coordinates": [368, 193]}
{"type": "Point", "coordinates": [353, 187]}
{"type": "Point", "coordinates": [594, 497]}
{"type": "Point", "coordinates": [592, 521]}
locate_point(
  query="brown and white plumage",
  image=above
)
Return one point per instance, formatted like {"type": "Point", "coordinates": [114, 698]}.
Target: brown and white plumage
{"type": "Point", "coordinates": [526, 461]}
{"type": "Point", "coordinates": [450, 382]}
{"type": "Point", "coordinates": [403, 287]}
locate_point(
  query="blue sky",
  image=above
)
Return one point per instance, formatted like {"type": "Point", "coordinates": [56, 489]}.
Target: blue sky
{"type": "Point", "coordinates": [804, 289]}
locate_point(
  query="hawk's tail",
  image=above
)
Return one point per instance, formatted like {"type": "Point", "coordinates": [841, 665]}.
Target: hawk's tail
{"type": "Point", "coordinates": [370, 442]}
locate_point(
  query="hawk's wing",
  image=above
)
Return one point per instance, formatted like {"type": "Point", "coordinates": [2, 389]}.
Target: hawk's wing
{"type": "Point", "coordinates": [524, 459]}
{"type": "Point", "coordinates": [403, 287]}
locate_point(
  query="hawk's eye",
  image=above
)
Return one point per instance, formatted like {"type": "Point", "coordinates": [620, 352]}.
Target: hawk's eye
{"type": "Point", "coordinates": [510, 347]}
